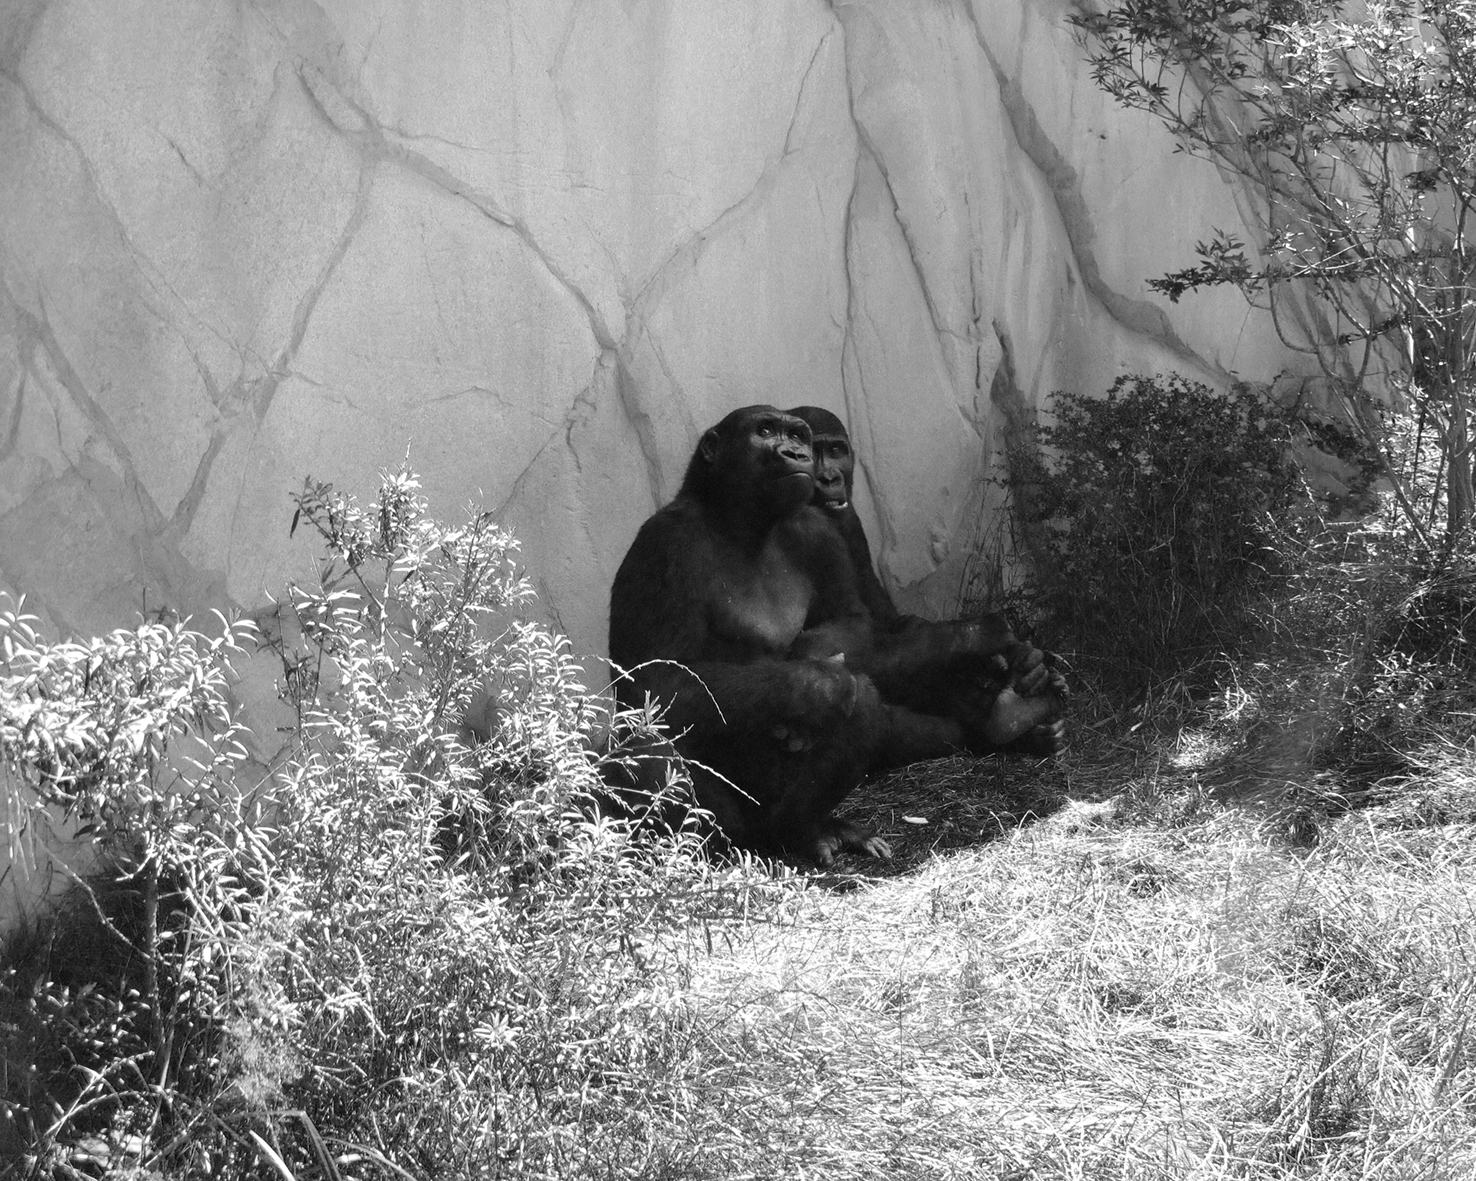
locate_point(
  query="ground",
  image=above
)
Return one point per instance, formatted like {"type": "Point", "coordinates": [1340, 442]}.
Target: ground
{"type": "Point", "coordinates": [1148, 965]}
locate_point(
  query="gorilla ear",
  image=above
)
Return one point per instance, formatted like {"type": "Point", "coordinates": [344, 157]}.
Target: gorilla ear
{"type": "Point", "coordinates": [710, 444]}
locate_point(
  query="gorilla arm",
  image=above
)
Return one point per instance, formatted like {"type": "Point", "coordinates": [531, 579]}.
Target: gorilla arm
{"type": "Point", "coordinates": [884, 613]}
{"type": "Point", "coordinates": [662, 611]}
{"type": "Point", "coordinates": [933, 673]}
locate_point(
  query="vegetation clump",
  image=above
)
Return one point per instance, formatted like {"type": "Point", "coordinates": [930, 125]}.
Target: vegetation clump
{"type": "Point", "coordinates": [412, 949]}
{"type": "Point", "coordinates": [116, 1005]}
{"type": "Point", "coordinates": [1148, 519]}
{"type": "Point", "coordinates": [1349, 128]}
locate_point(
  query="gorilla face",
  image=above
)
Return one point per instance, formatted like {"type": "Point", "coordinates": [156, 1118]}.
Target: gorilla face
{"type": "Point", "coordinates": [835, 462]}
{"type": "Point", "coordinates": [757, 462]}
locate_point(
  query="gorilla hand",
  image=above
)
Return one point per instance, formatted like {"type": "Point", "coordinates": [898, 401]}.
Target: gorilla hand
{"type": "Point", "coordinates": [837, 835]}
{"type": "Point", "coordinates": [822, 693]}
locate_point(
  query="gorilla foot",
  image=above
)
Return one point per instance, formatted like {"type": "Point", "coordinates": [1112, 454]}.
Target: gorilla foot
{"type": "Point", "coordinates": [1013, 716]}
{"type": "Point", "coordinates": [836, 836]}
{"type": "Point", "coordinates": [1045, 679]}
{"type": "Point", "coordinates": [1041, 741]}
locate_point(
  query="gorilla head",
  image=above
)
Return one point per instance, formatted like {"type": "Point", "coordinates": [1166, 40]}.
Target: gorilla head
{"type": "Point", "coordinates": [835, 462]}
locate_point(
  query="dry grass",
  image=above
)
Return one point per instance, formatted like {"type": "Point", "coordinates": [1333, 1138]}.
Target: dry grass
{"type": "Point", "coordinates": [1158, 986]}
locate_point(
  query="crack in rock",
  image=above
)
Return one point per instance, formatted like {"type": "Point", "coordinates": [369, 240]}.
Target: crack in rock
{"type": "Point", "coordinates": [695, 244]}
{"type": "Point", "coordinates": [1018, 420]}
{"type": "Point", "coordinates": [148, 271]}
{"type": "Point", "coordinates": [259, 397]}
{"type": "Point", "coordinates": [869, 146]}
{"type": "Point", "coordinates": [40, 330]}
{"type": "Point", "coordinates": [189, 503]}
{"type": "Point", "coordinates": [17, 408]}
{"type": "Point", "coordinates": [641, 422]}
{"type": "Point", "coordinates": [375, 143]}
{"type": "Point", "coordinates": [688, 254]}
{"type": "Point", "coordinates": [264, 389]}
{"type": "Point", "coordinates": [1139, 316]}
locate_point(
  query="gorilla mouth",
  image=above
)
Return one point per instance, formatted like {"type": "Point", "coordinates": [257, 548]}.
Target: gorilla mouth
{"type": "Point", "coordinates": [837, 506]}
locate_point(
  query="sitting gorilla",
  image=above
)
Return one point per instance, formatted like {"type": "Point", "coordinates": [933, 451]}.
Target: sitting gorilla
{"type": "Point", "coordinates": [716, 603]}
{"type": "Point", "coordinates": [1025, 711]}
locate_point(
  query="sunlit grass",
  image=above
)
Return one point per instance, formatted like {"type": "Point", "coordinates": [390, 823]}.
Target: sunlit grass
{"type": "Point", "coordinates": [1127, 998]}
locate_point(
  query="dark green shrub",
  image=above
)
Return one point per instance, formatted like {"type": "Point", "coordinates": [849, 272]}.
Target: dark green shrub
{"type": "Point", "coordinates": [1146, 519]}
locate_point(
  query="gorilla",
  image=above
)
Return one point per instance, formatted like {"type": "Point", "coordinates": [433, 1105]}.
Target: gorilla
{"type": "Point", "coordinates": [1027, 708]}
{"type": "Point", "coordinates": [737, 610]}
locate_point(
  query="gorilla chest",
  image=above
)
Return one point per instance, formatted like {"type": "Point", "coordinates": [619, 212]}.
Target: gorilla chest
{"type": "Point", "coordinates": [762, 602]}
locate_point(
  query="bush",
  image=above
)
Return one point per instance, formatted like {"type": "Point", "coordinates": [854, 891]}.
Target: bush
{"type": "Point", "coordinates": [116, 1004]}
{"type": "Point", "coordinates": [472, 968]}
{"type": "Point", "coordinates": [445, 963]}
{"type": "Point", "coordinates": [1147, 522]}
{"type": "Point", "coordinates": [1374, 640]}
{"type": "Point", "coordinates": [1349, 126]}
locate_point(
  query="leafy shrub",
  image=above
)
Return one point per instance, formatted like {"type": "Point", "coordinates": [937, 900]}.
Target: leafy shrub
{"type": "Point", "coordinates": [1351, 124]}
{"type": "Point", "coordinates": [117, 1003]}
{"type": "Point", "coordinates": [1147, 523]}
{"type": "Point", "coordinates": [471, 965]}
{"type": "Point", "coordinates": [436, 961]}
{"type": "Point", "coordinates": [1376, 637]}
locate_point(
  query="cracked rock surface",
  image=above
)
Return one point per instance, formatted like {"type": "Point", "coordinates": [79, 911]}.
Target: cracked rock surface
{"type": "Point", "coordinates": [540, 246]}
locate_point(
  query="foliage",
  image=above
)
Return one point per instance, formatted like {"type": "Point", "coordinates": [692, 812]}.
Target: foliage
{"type": "Point", "coordinates": [1147, 523]}
{"type": "Point", "coordinates": [445, 967]}
{"type": "Point", "coordinates": [1354, 128]}
{"type": "Point", "coordinates": [128, 743]}
{"type": "Point", "coordinates": [420, 954]}
{"type": "Point", "coordinates": [471, 978]}
{"type": "Point", "coordinates": [1371, 644]}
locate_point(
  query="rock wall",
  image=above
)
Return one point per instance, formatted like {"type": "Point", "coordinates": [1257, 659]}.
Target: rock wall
{"type": "Point", "coordinates": [539, 246]}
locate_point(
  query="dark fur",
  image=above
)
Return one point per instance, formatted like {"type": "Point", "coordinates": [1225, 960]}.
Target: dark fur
{"type": "Point", "coordinates": [724, 610]}
{"type": "Point", "coordinates": [941, 673]}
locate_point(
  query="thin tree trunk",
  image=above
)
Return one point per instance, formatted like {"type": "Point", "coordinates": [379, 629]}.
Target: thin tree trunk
{"type": "Point", "coordinates": [151, 953]}
{"type": "Point", "coordinates": [1458, 490]}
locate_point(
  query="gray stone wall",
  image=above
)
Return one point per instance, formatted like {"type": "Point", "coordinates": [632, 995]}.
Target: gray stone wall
{"type": "Point", "coordinates": [539, 246]}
